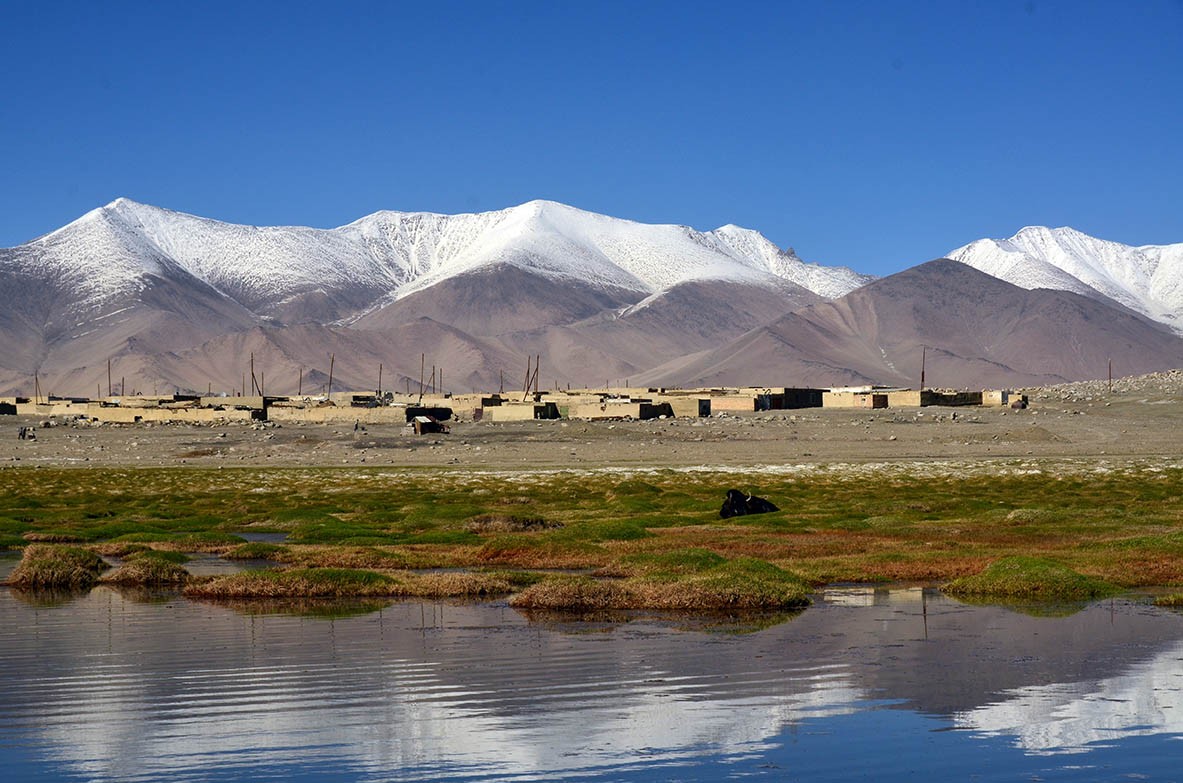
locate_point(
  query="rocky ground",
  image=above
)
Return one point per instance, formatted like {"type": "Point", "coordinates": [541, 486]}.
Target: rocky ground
{"type": "Point", "coordinates": [1141, 417]}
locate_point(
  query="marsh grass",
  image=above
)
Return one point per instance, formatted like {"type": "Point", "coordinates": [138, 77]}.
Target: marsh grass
{"type": "Point", "coordinates": [56, 567]}
{"type": "Point", "coordinates": [349, 582]}
{"type": "Point", "coordinates": [1125, 526]}
{"type": "Point", "coordinates": [507, 523]}
{"type": "Point", "coordinates": [1030, 578]}
{"type": "Point", "coordinates": [343, 557]}
{"type": "Point", "coordinates": [525, 551]}
{"type": "Point", "coordinates": [257, 550]}
{"type": "Point", "coordinates": [692, 582]}
{"type": "Point", "coordinates": [147, 570]}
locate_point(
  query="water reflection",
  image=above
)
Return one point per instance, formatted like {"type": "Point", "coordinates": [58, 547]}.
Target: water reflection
{"type": "Point", "coordinates": [105, 688]}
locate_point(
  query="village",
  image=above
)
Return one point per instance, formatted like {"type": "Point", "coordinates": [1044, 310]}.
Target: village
{"type": "Point", "coordinates": [430, 412]}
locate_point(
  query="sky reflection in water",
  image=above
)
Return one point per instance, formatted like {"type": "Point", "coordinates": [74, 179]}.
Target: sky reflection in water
{"type": "Point", "coordinates": [886, 684]}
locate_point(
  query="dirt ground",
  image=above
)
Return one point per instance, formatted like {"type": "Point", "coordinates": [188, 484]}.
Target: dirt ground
{"type": "Point", "coordinates": [1142, 418]}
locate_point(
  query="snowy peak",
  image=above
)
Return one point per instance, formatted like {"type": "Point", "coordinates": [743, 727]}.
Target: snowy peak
{"type": "Point", "coordinates": [1147, 279]}
{"type": "Point", "coordinates": [293, 274]}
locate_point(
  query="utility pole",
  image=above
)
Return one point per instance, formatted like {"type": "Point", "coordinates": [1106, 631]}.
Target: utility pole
{"type": "Point", "coordinates": [923, 356]}
{"type": "Point", "coordinates": [332, 360]}
{"type": "Point", "coordinates": [422, 368]}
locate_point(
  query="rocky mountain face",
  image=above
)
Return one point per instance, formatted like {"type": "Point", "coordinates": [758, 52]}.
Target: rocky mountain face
{"type": "Point", "coordinates": [179, 302]}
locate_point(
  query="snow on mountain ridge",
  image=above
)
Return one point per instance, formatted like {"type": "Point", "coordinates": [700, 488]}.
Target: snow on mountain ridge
{"type": "Point", "coordinates": [1147, 279]}
{"type": "Point", "coordinates": [388, 255]}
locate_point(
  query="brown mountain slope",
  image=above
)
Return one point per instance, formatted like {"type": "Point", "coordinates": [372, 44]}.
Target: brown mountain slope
{"type": "Point", "coordinates": [979, 331]}
{"type": "Point", "coordinates": [618, 345]}
{"type": "Point", "coordinates": [499, 300]}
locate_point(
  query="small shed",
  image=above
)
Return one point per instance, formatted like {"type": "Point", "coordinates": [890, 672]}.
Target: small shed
{"type": "Point", "coordinates": [425, 425]}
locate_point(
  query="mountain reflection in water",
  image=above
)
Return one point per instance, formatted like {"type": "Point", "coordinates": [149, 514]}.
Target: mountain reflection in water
{"type": "Point", "coordinates": [102, 687]}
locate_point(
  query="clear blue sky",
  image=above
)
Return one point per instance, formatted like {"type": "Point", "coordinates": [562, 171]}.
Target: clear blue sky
{"type": "Point", "coordinates": [872, 134]}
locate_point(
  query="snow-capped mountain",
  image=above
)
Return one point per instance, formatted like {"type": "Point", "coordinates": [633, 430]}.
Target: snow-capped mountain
{"type": "Point", "coordinates": [296, 273]}
{"type": "Point", "coordinates": [142, 286]}
{"type": "Point", "coordinates": [1146, 279]}
{"type": "Point", "coordinates": [175, 301]}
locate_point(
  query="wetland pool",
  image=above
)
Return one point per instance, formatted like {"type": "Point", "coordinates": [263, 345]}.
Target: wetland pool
{"type": "Point", "coordinates": [877, 684]}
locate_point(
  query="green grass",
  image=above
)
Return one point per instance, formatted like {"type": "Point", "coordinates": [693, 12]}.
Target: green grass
{"type": "Point", "coordinates": [1030, 578]}
{"type": "Point", "coordinates": [256, 550]}
{"type": "Point", "coordinates": [148, 569]}
{"type": "Point", "coordinates": [1123, 527]}
{"type": "Point", "coordinates": [346, 582]}
{"type": "Point", "coordinates": [702, 585]}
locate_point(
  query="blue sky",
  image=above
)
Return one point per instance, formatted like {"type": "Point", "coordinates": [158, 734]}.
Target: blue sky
{"type": "Point", "coordinates": [876, 135]}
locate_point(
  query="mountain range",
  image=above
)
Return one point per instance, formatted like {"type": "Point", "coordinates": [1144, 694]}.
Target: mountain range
{"type": "Point", "coordinates": [181, 303]}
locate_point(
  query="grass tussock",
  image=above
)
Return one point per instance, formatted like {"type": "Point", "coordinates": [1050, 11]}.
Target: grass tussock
{"type": "Point", "coordinates": [349, 583]}
{"type": "Point", "coordinates": [51, 537]}
{"type": "Point", "coordinates": [1172, 601]}
{"type": "Point", "coordinates": [522, 551]}
{"type": "Point", "coordinates": [256, 550]}
{"type": "Point", "coordinates": [576, 594]}
{"type": "Point", "coordinates": [1029, 578]}
{"type": "Point", "coordinates": [296, 583]}
{"type": "Point", "coordinates": [147, 571]}
{"type": "Point", "coordinates": [55, 566]}
{"type": "Point", "coordinates": [343, 557]}
{"type": "Point", "coordinates": [508, 523]}
{"type": "Point", "coordinates": [735, 585]}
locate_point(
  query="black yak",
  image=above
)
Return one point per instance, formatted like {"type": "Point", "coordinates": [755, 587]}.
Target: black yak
{"type": "Point", "coordinates": [738, 504]}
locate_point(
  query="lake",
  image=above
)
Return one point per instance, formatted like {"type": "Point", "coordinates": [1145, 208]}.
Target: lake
{"type": "Point", "coordinates": [885, 685]}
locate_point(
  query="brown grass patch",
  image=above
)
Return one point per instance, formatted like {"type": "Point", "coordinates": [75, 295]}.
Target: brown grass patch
{"type": "Point", "coordinates": [508, 523]}
{"type": "Point", "coordinates": [339, 583]}
{"type": "Point", "coordinates": [147, 571]}
{"type": "Point", "coordinates": [56, 566]}
{"type": "Point", "coordinates": [544, 555]}
{"type": "Point", "coordinates": [51, 538]}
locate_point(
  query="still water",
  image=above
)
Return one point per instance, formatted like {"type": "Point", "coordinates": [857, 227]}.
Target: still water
{"type": "Point", "coordinates": [886, 685]}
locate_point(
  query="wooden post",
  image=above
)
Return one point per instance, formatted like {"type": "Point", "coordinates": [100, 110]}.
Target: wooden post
{"type": "Point", "coordinates": [501, 388]}
{"type": "Point", "coordinates": [1111, 376]}
{"type": "Point", "coordinates": [108, 377]}
{"type": "Point", "coordinates": [379, 379]}
{"type": "Point", "coordinates": [300, 384]}
{"type": "Point", "coordinates": [262, 384]}
{"type": "Point", "coordinates": [122, 386]}
{"type": "Point", "coordinates": [254, 383]}
{"type": "Point", "coordinates": [36, 390]}
{"type": "Point", "coordinates": [923, 356]}
{"type": "Point", "coordinates": [332, 360]}
{"type": "Point", "coordinates": [422, 367]}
